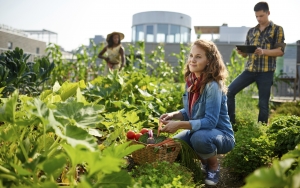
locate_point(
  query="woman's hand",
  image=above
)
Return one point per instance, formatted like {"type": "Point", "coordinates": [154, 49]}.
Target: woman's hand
{"type": "Point", "coordinates": [170, 126]}
{"type": "Point", "coordinates": [166, 117]}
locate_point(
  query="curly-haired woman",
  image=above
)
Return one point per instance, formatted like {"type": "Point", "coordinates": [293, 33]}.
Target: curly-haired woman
{"type": "Point", "coordinates": [204, 118]}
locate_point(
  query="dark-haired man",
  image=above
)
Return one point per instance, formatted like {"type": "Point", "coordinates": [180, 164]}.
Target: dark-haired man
{"type": "Point", "coordinates": [260, 66]}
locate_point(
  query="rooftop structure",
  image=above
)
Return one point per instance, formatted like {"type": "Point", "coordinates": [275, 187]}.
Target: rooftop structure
{"type": "Point", "coordinates": [161, 27]}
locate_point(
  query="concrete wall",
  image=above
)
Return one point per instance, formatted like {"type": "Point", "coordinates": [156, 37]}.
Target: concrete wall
{"type": "Point", "coordinates": [27, 44]}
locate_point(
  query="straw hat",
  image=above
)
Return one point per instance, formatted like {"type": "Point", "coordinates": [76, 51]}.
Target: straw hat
{"type": "Point", "coordinates": [111, 34]}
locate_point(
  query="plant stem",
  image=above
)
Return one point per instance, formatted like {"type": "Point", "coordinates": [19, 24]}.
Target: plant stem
{"type": "Point", "coordinates": [21, 143]}
{"type": "Point", "coordinates": [55, 144]}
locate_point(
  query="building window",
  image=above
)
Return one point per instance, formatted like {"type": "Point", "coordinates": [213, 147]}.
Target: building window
{"type": "Point", "coordinates": [133, 33]}
{"type": "Point", "coordinates": [140, 35]}
{"type": "Point", "coordinates": [174, 36]}
{"type": "Point", "coordinates": [162, 33]}
{"type": "Point", "coordinates": [10, 45]}
{"type": "Point", "coordinates": [149, 33]}
{"type": "Point", "coordinates": [185, 35]}
{"type": "Point", "coordinates": [37, 50]}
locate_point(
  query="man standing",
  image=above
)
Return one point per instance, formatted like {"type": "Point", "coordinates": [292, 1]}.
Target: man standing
{"type": "Point", "coordinates": [260, 67]}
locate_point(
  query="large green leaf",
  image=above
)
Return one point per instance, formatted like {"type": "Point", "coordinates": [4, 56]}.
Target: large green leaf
{"type": "Point", "coordinates": [20, 170]}
{"type": "Point", "coordinates": [78, 114]}
{"type": "Point", "coordinates": [8, 110]}
{"type": "Point", "coordinates": [273, 177]}
{"type": "Point", "coordinates": [41, 111]}
{"type": "Point", "coordinates": [122, 150]}
{"type": "Point", "coordinates": [95, 162]}
{"type": "Point", "coordinates": [145, 94]}
{"type": "Point", "coordinates": [67, 90]}
{"type": "Point", "coordinates": [76, 135]}
{"type": "Point", "coordinates": [116, 180]}
{"type": "Point", "coordinates": [8, 134]}
{"type": "Point", "coordinates": [55, 164]}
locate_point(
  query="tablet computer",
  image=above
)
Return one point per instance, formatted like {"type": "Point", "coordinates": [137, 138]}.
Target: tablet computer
{"type": "Point", "coordinates": [246, 48]}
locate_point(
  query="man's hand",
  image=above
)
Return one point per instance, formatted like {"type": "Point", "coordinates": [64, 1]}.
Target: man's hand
{"type": "Point", "coordinates": [241, 53]}
{"type": "Point", "coordinates": [259, 51]}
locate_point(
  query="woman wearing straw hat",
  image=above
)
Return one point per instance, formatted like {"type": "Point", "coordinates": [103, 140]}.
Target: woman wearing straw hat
{"type": "Point", "coordinates": [115, 57]}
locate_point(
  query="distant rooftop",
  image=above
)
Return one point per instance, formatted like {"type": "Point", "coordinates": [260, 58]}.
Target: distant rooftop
{"type": "Point", "coordinates": [13, 30]}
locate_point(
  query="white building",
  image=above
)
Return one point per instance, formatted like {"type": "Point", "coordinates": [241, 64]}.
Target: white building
{"type": "Point", "coordinates": [161, 27]}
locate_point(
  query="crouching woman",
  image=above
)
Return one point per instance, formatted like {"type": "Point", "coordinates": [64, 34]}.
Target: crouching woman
{"type": "Point", "coordinates": [204, 119]}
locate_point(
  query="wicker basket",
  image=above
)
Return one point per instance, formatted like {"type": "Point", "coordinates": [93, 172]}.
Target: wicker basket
{"type": "Point", "coordinates": [155, 152]}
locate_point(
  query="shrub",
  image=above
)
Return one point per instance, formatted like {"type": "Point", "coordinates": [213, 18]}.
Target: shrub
{"type": "Point", "coordinates": [284, 130]}
{"type": "Point", "coordinates": [162, 174]}
{"type": "Point", "coordinates": [245, 104]}
{"type": "Point", "coordinates": [288, 108]}
{"type": "Point", "coordinates": [252, 150]}
{"type": "Point", "coordinates": [284, 173]}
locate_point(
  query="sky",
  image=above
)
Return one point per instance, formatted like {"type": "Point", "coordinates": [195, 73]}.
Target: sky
{"type": "Point", "coordinates": [76, 21]}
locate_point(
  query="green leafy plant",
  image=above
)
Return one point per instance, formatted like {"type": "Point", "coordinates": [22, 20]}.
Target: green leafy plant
{"type": "Point", "coordinates": [17, 73]}
{"type": "Point", "coordinates": [159, 67]}
{"type": "Point", "coordinates": [284, 173]}
{"type": "Point", "coordinates": [253, 149]}
{"type": "Point", "coordinates": [284, 130]}
{"type": "Point", "coordinates": [286, 108]}
{"type": "Point", "coordinates": [181, 58]}
{"type": "Point", "coordinates": [40, 142]}
{"type": "Point", "coordinates": [236, 67]}
{"type": "Point", "coordinates": [162, 174]}
{"type": "Point", "coordinates": [189, 158]}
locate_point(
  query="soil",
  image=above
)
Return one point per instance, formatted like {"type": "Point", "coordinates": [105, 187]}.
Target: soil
{"type": "Point", "coordinates": [227, 179]}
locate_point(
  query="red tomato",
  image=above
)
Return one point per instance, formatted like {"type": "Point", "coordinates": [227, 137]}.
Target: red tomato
{"type": "Point", "coordinates": [130, 135]}
{"type": "Point", "coordinates": [137, 136]}
{"type": "Point", "coordinates": [144, 130]}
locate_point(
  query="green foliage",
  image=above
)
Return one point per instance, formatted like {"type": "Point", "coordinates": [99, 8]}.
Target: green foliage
{"type": "Point", "coordinates": [162, 174]}
{"type": "Point", "coordinates": [148, 96]}
{"type": "Point", "coordinates": [253, 149]}
{"type": "Point", "coordinates": [287, 108]}
{"type": "Point", "coordinates": [61, 71]}
{"type": "Point", "coordinates": [46, 134]}
{"type": "Point", "coordinates": [17, 73]}
{"type": "Point", "coordinates": [284, 173]}
{"type": "Point", "coordinates": [42, 140]}
{"type": "Point", "coordinates": [246, 110]}
{"type": "Point", "coordinates": [189, 158]}
{"type": "Point", "coordinates": [284, 130]}
{"type": "Point", "coordinates": [235, 67]}
{"type": "Point", "coordinates": [282, 121]}
{"type": "Point", "coordinates": [160, 67]}
{"type": "Point", "coordinates": [182, 58]}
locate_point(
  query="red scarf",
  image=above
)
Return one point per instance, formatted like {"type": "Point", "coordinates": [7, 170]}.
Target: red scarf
{"type": "Point", "coordinates": [194, 85]}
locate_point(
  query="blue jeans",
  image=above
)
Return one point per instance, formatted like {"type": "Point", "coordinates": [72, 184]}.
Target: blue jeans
{"type": "Point", "coordinates": [207, 142]}
{"type": "Point", "coordinates": [264, 81]}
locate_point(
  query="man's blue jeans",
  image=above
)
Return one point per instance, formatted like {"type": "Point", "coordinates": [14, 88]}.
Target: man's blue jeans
{"type": "Point", "coordinates": [264, 81]}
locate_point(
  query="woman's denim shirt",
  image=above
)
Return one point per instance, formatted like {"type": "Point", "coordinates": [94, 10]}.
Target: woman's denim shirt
{"type": "Point", "coordinates": [209, 111]}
